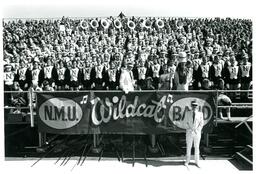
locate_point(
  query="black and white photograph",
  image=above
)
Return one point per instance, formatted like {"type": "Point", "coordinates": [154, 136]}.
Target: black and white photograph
{"type": "Point", "coordinates": [111, 86]}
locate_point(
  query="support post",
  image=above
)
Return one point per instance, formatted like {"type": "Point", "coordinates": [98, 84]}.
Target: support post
{"type": "Point", "coordinates": [32, 124]}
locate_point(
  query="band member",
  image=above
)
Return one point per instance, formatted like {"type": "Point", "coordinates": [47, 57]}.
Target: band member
{"type": "Point", "coordinates": [223, 100]}
{"type": "Point", "coordinates": [216, 72]}
{"type": "Point", "coordinates": [48, 73]}
{"type": "Point", "coordinates": [202, 72]}
{"type": "Point", "coordinates": [8, 77]}
{"type": "Point", "coordinates": [246, 76]}
{"type": "Point", "coordinates": [35, 72]}
{"type": "Point", "coordinates": [98, 75]}
{"type": "Point", "coordinates": [112, 77]}
{"type": "Point", "coordinates": [23, 76]}
{"type": "Point", "coordinates": [155, 71]}
{"type": "Point", "coordinates": [106, 59]}
{"type": "Point", "coordinates": [86, 75]}
{"type": "Point", "coordinates": [197, 61]}
{"type": "Point", "coordinates": [194, 120]}
{"type": "Point", "coordinates": [140, 74]}
{"type": "Point", "coordinates": [62, 76]}
{"type": "Point", "coordinates": [232, 76]}
{"type": "Point", "coordinates": [127, 82]}
{"type": "Point", "coordinates": [166, 79]}
{"type": "Point", "coordinates": [181, 81]}
{"type": "Point", "coordinates": [75, 76]}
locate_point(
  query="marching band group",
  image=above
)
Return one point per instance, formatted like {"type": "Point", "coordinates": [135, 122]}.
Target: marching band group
{"type": "Point", "coordinates": [128, 53]}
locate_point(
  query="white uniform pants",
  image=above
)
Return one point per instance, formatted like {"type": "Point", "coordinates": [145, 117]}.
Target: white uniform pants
{"type": "Point", "coordinates": [192, 137]}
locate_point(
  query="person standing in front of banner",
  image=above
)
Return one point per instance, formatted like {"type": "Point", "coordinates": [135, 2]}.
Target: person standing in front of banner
{"type": "Point", "coordinates": [194, 121]}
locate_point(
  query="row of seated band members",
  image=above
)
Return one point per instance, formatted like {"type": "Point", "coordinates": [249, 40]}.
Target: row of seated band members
{"type": "Point", "coordinates": [101, 77]}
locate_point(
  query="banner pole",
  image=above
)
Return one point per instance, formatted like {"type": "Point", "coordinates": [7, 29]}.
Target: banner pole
{"type": "Point", "coordinates": [31, 108]}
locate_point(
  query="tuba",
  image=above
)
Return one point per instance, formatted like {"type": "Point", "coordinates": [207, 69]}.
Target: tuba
{"type": "Point", "coordinates": [104, 23]}
{"type": "Point", "coordinates": [147, 23]}
{"type": "Point", "coordinates": [83, 24]}
{"type": "Point", "coordinates": [159, 23]}
{"type": "Point", "coordinates": [117, 24]}
{"type": "Point", "coordinates": [94, 24]}
{"type": "Point", "coordinates": [131, 25]}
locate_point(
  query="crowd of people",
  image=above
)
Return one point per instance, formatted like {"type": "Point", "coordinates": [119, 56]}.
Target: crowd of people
{"type": "Point", "coordinates": [158, 53]}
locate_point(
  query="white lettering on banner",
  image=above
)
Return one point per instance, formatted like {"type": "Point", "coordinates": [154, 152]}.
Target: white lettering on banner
{"type": "Point", "coordinates": [117, 110]}
{"type": "Point", "coordinates": [179, 108]}
{"type": "Point", "coordinates": [60, 113]}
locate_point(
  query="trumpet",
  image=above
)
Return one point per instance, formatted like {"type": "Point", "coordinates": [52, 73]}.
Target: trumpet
{"type": "Point", "coordinates": [117, 24]}
{"type": "Point", "coordinates": [84, 24]}
{"type": "Point", "coordinates": [131, 24]}
{"type": "Point", "coordinates": [104, 23]}
{"type": "Point", "coordinates": [94, 24]}
{"type": "Point", "coordinates": [159, 23]}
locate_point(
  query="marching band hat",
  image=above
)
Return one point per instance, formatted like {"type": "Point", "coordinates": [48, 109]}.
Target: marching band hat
{"type": "Point", "coordinates": [7, 65]}
{"type": "Point", "coordinates": [129, 62]}
{"type": "Point", "coordinates": [194, 103]}
{"type": "Point", "coordinates": [182, 57]}
{"type": "Point", "coordinates": [220, 53]}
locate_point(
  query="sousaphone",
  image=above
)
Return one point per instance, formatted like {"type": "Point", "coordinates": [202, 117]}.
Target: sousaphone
{"type": "Point", "coordinates": [84, 24]}
{"type": "Point", "coordinates": [159, 23]}
{"type": "Point", "coordinates": [147, 23]}
{"type": "Point", "coordinates": [131, 25]}
{"type": "Point", "coordinates": [117, 24]}
{"type": "Point", "coordinates": [94, 24]}
{"type": "Point", "coordinates": [104, 23]}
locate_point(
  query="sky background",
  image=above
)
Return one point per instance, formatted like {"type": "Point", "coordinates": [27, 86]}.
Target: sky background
{"type": "Point", "coordinates": [102, 8]}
